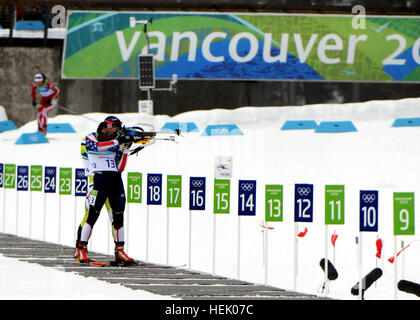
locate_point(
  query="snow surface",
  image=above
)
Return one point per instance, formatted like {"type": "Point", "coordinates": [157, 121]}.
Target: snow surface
{"type": "Point", "coordinates": [376, 157]}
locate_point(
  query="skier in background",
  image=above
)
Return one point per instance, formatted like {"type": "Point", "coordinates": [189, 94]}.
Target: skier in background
{"type": "Point", "coordinates": [49, 97]}
{"type": "Point", "coordinates": [107, 153]}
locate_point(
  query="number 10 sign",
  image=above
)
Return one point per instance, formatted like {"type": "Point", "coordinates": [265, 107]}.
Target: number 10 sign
{"type": "Point", "coordinates": [368, 210]}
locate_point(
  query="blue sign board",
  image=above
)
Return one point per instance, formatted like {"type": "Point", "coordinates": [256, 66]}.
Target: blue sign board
{"type": "Point", "coordinates": [197, 193]}
{"type": "Point", "coordinates": [1, 174]}
{"type": "Point", "coordinates": [304, 194]}
{"type": "Point", "coordinates": [154, 188]}
{"type": "Point", "coordinates": [368, 210]}
{"type": "Point", "coordinates": [247, 197]}
{"type": "Point", "coordinates": [81, 183]}
{"type": "Point", "coordinates": [50, 179]}
{"type": "Point", "coordinates": [22, 178]}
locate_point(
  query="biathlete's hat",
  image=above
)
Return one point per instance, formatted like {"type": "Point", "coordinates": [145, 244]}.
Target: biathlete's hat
{"type": "Point", "coordinates": [112, 122]}
{"type": "Point", "coordinates": [38, 77]}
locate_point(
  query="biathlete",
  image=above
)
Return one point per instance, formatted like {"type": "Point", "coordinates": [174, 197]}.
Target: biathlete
{"type": "Point", "coordinates": [49, 97]}
{"type": "Point", "coordinates": [107, 154]}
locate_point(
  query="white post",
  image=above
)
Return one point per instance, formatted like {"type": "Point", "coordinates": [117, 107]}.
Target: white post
{"type": "Point", "coordinates": [59, 218]}
{"type": "Point", "coordinates": [189, 239]}
{"type": "Point", "coordinates": [326, 289]}
{"type": "Point", "coordinates": [44, 217]}
{"type": "Point", "coordinates": [4, 208]}
{"type": "Point", "coordinates": [17, 211]}
{"type": "Point", "coordinates": [238, 258]}
{"type": "Point", "coordinates": [402, 261]}
{"type": "Point", "coordinates": [74, 218]}
{"type": "Point", "coordinates": [147, 233]}
{"type": "Point", "coordinates": [126, 226]}
{"type": "Point", "coordinates": [361, 285]}
{"type": "Point", "coordinates": [214, 245]}
{"type": "Point", "coordinates": [167, 235]}
{"type": "Point", "coordinates": [30, 214]}
{"type": "Point", "coordinates": [395, 270]}
{"type": "Point", "coordinates": [295, 264]}
{"type": "Point", "coordinates": [266, 253]}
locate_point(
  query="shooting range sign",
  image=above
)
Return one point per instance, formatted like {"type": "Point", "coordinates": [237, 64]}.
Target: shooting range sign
{"type": "Point", "coordinates": [134, 184]}
{"type": "Point", "coordinates": [403, 213]}
{"type": "Point", "coordinates": [273, 202]}
{"type": "Point", "coordinates": [304, 194]}
{"type": "Point", "coordinates": [80, 183]}
{"type": "Point", "coordinates": [247, 197]}
{"type": "Point", "coordinates": [197, 193]}
{"type": "Point", "coordinates": [154, 188]}
{"type": "Point", "coordinates": [334, 204]}
{"type": "Point", "coordinates": [368, 210]}
{"type": "Point", "coordinates": [22, 178]}
{"type": "Point", "coordinates": [221, 201]}
{"type": "Point", "coordinates": [9, 176]}
{"type": "Point", "coordinates": [50, 179]}
{"type": "Point", "coordinates": [65, 181]}
{"type": "Point", "coordinates": [174, 191]}
{"type": "Point", "coordinates": [36, 178]}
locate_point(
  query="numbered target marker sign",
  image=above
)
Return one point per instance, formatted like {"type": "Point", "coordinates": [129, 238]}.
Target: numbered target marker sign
{"type": "Point", "coordinates": [22, 178]}
{"type": "Point", "coordinates": [65, 181]}
{"type": "Point", "coordinates": [403, 213]}
{"type": "Point", "coordinates": [304, 194]}
{"type": "Point", "coordinates": [9, 176]}
{"type": "Point", "coordinates": [80, 183]}
{"type": "Point", "coordinates": [273, 202]}
{"type": "Point", "coordinates": [1, 174]}
{"type": "Point", "coordinates": [247, 197]}
{"type": "Point", "coordinates": [134, 184]}
{"type": "Point", "coordinates": [369, 210]}
{"type": "Point", "coordinates": [197, 193]}
{"type": "Point", "coordinates": [174, 191]}
{"type": "Point", "coordinates": [50, 179]}
{"type": "Point", "coordinates": [36, 178]}
{"type": "Point", "coordinates": [221, 202]}
{"type": "Point", "coordinates": [154, 188]}
{"type": "Point", "coordinates": [334, 204]}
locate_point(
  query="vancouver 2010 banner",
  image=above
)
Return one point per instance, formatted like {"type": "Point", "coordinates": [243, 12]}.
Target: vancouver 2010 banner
{"type": "Point", "coordinates": [243, 46]}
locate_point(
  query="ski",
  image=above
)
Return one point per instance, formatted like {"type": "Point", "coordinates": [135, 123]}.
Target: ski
{"type": "Point", "coordinates": [96, 263]}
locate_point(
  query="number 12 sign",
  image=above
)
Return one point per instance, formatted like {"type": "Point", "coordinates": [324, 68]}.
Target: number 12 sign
{"type": "Point", "coordinates": [304, 194]}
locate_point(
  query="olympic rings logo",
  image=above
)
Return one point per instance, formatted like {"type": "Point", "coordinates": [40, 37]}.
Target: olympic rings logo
{"type": "Point", "coordinates": [197, 183]}
{"type": "Point", "coordinates": [303, 191]}
{"type": "Point", "coordinates": [368, 198]}
{"type": "Point", "coordinates": [247, 186]}
{"type": "Point", "coordinates": [23, 170]}
{"type": "Point", "coordinates": [80, 173]}
{"type": "Point", "coordinates": [50, 172]}
{"type": "Point", "coordinates": [154, 179]}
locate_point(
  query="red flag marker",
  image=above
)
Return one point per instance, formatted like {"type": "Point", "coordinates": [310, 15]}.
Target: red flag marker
{"type": "Point", "coordinates": [303, 233]}
{"type": "Point", "coordinates": [392, 259]}
{"type": "Point", "coordinates": [334, 239]}
{"type": "Point", "coordinates": [379, 248]}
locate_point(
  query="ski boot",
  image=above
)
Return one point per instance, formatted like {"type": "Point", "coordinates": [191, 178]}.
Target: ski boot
{"type": "Point", "coordinates": [121, 258]}
{"type": "Point", "coordinates": [83, 257]}
{"type": "Point", "coordinates": [76, 251]}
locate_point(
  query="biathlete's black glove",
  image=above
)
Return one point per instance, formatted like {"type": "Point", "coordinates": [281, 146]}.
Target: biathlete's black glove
{"type": "Point", "coordinates": [34, 103]}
